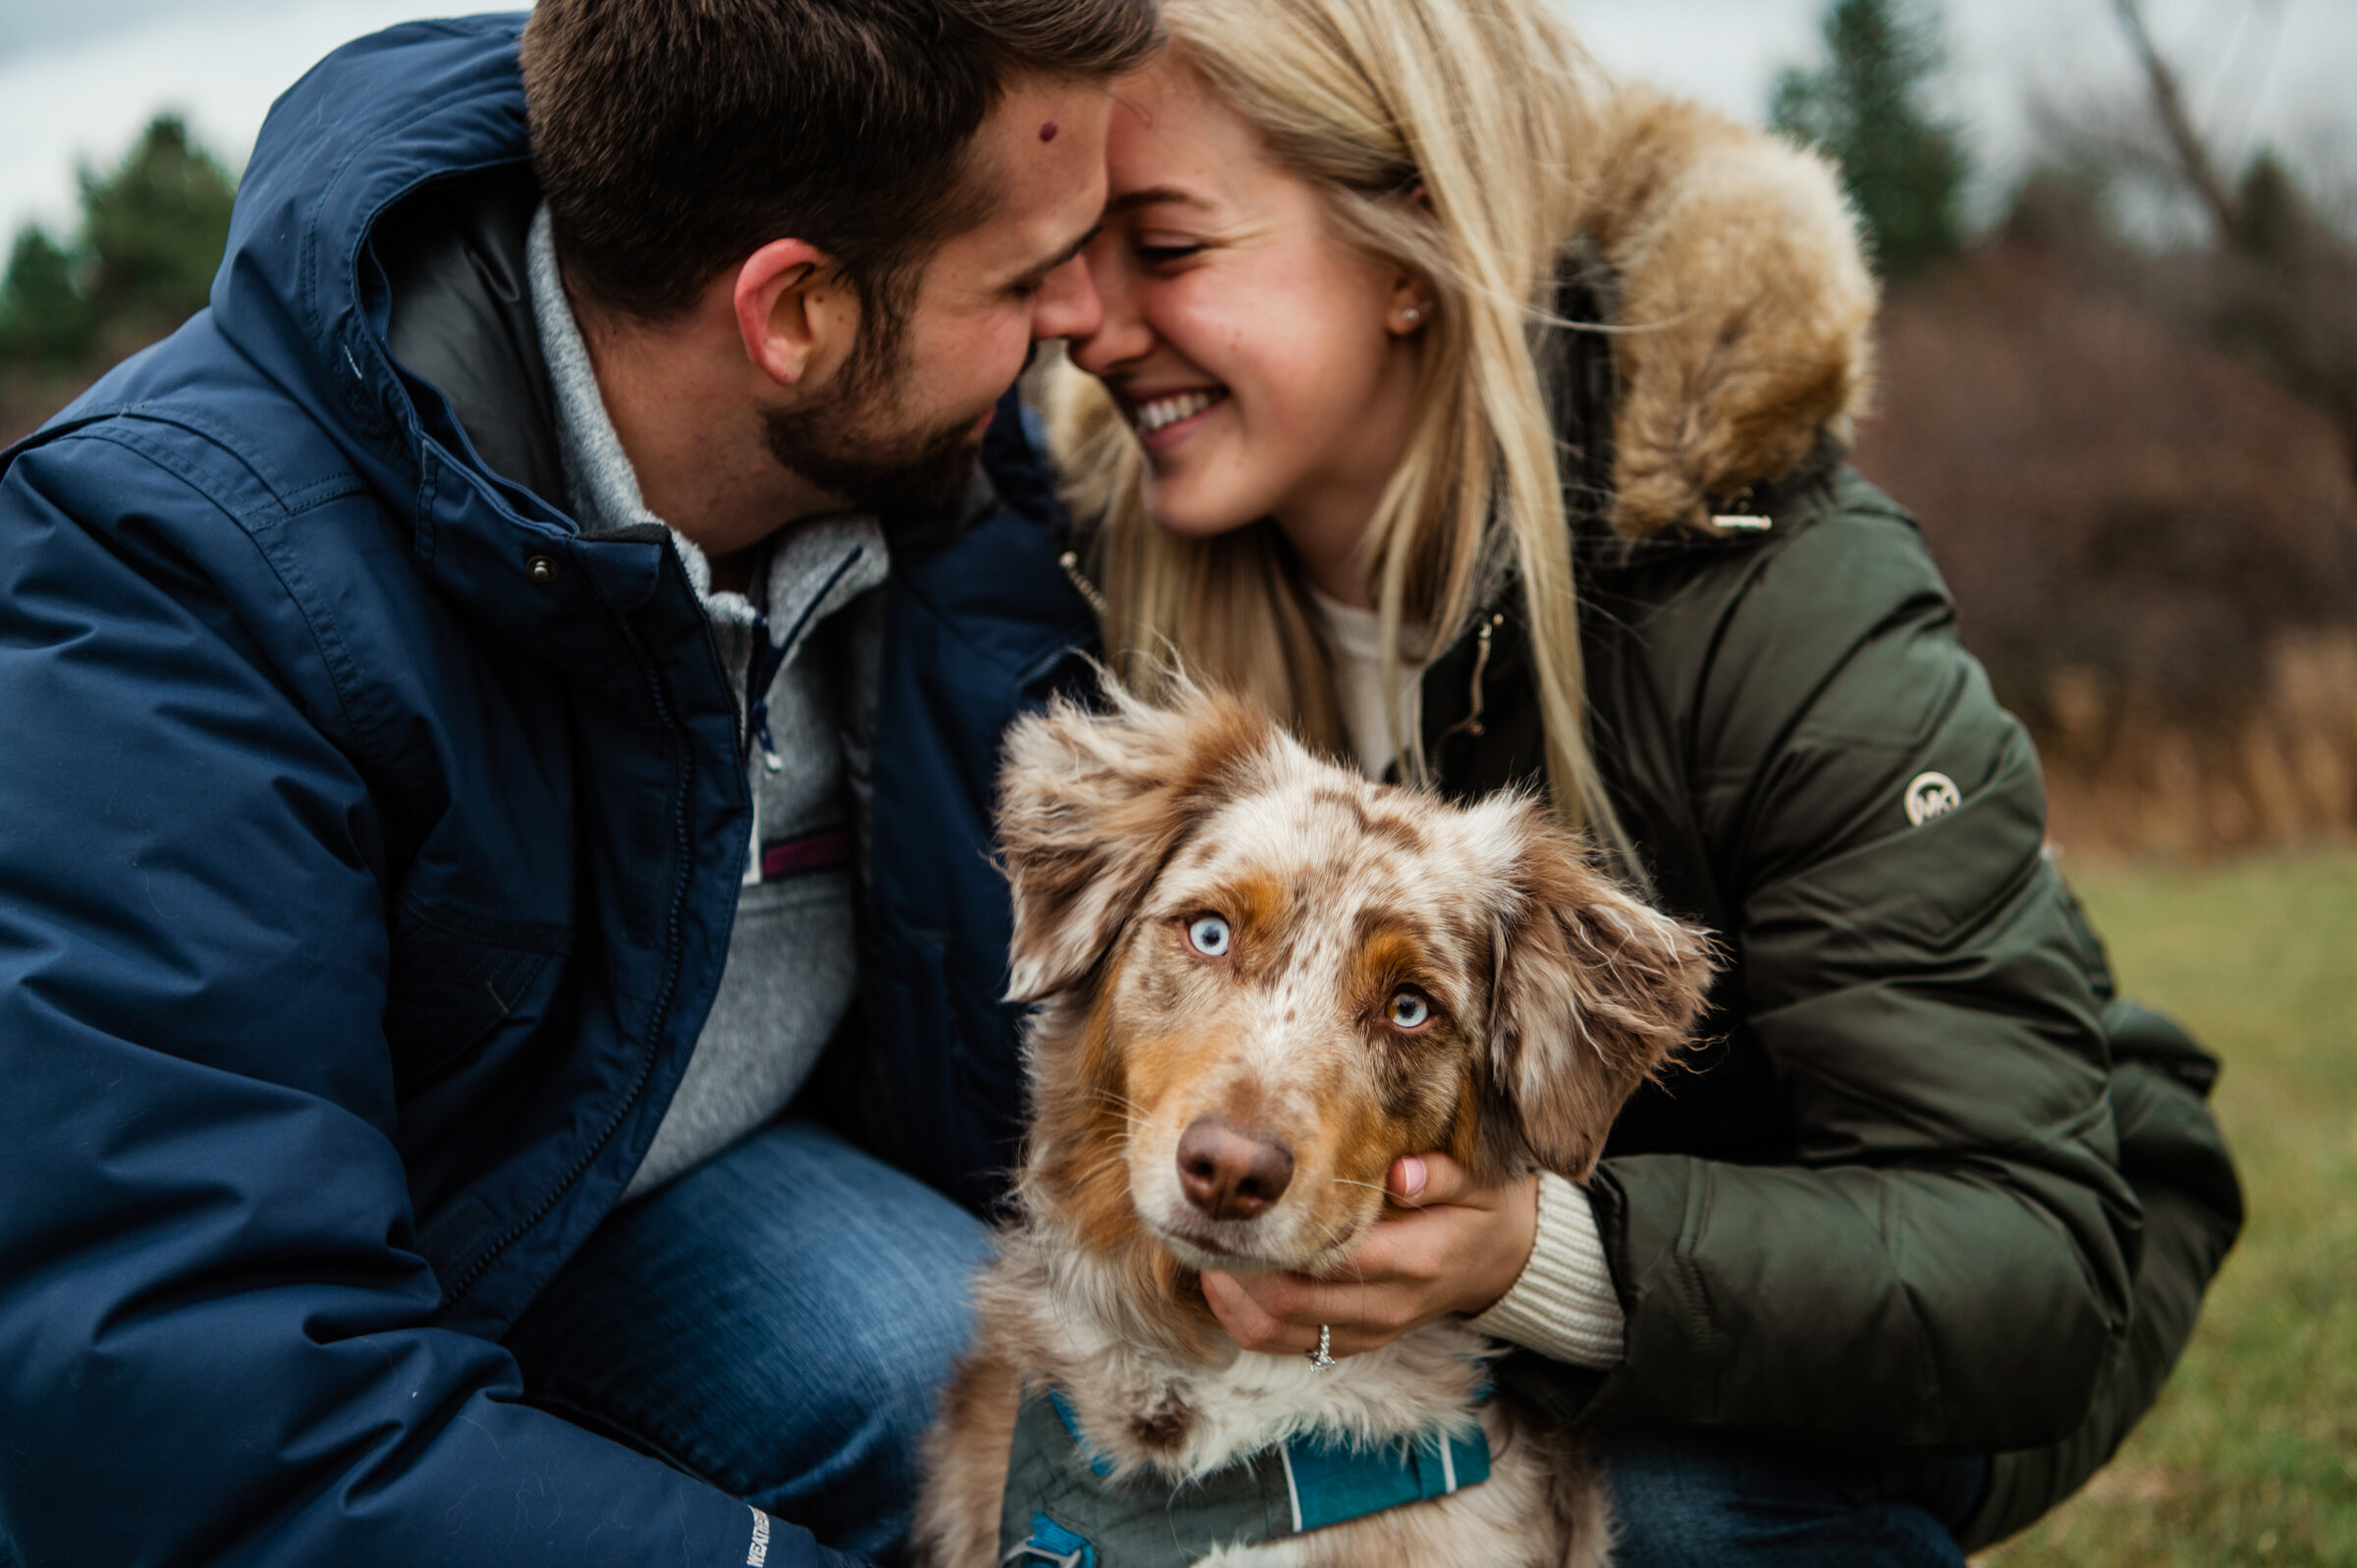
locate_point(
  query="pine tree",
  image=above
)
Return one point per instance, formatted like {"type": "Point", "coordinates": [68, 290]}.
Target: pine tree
{"type": "Point", "coordinates": [1904, 168]}
{"type": "Point", "coordinates": [154, 230]}
{"type": "Point", "coordinates": [152, 235]}
{"type": "Point", "coordinates": [42, 318]}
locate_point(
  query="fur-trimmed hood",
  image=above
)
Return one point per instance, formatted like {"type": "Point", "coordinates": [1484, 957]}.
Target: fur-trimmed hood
{"type": "Point", "coordinates": [1745, 313]}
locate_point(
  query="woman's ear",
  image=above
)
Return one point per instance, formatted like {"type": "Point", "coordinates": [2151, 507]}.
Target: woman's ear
{"type": "Point", "coordinates": [1091, 806]}
{"type": "Point", "coordinates": [1413, 298]}
{"type": "Point", "coordinates": [1411, 306]}
{"type": "Point", "coordinates": [1593, 993]}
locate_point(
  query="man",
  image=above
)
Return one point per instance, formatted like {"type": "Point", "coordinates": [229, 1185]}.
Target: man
{"type": "Point", "coordinates": [438, 681]}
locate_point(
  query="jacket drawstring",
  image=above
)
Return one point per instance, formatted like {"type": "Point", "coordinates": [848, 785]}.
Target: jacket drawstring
{"type": "Point", "coordinates": [1471, 723]}
{"type": "Point", "coordinates": [1069, 561]}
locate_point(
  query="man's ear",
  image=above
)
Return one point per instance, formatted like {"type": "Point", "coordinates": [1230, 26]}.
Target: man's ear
{"type": "Point", "coordinates": [1091, 806]}
{"type": "Point", "coordinates": [1593, 993]}
{"type": "Point", "coordinates": [793, 311]}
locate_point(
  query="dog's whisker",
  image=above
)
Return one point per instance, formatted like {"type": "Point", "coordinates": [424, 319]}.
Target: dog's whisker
{"type": "Point", "coordinates": [1103, 1163]}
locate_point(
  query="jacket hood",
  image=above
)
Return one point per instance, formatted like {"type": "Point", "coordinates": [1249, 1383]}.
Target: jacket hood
{"type": "Point", "coordinates": [306, 292]}
{"type": "Point", "coordinates": [1743, 328]}
{"type": "Point", "coordinates": [366, 126]}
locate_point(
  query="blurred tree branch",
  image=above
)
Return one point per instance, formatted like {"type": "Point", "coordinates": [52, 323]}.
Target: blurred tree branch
{"type": "Point", "coordinates": [2278, 285]}
{"type": "Point", "coordinates": [2194, 161]}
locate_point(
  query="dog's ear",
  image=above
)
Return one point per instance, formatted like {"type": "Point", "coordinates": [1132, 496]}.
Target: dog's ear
{"type": "Point", "coordinates": [1593, 993]}
{"type": "Point", "coordinates": [1090, 807]}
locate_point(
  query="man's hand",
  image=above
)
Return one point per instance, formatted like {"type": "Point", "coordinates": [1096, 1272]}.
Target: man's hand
{"type": "Point", "coordinates": [1456, 1249]}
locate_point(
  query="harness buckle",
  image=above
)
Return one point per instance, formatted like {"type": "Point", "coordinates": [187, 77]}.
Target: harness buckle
{"type": "Point", "coordinates": [1053, 1544]}
{"type": "Point", "coordinates": [1031, 1551]}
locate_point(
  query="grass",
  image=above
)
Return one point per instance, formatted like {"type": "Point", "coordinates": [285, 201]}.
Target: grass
{"type": "Point", "coordinates": [2251, 1454]}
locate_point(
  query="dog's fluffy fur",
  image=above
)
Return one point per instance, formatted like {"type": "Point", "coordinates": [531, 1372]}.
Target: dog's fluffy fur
{"type": "Point", "coordinates": [1552, 996]}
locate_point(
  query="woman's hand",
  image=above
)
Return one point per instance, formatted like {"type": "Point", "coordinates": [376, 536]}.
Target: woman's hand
{"type": "Point", "coordinates": [1458, 1249]}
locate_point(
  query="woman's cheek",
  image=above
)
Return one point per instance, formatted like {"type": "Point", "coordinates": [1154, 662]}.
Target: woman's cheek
{"type": "Point", "coordinates": [1223, 476]}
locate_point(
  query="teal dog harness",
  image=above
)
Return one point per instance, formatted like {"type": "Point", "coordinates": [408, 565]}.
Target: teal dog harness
{"type": "Point", "coordinates": [1064, 1510]}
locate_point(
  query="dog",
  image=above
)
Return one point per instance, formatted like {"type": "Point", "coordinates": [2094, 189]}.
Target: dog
{"type": "Point", "coordinates": [1260, 979]}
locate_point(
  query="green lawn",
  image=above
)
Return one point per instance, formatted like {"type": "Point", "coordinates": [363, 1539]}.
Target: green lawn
{"type": "Point", "coordinates": [2251, 1455]}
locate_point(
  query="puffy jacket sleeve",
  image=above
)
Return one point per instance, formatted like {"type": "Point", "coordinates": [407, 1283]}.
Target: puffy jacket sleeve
{"type": "Point", "coordinates": [1948, 1259]}
{"type": "Point", "coordinates": [214, 1327]}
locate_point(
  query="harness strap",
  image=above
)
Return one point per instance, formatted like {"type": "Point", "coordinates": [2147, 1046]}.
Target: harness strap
{"type": "Point", "coordinates": [1062, 1506]}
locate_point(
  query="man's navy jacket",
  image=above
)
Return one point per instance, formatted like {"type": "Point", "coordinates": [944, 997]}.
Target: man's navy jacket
{"type": "Point", "coordinates": [369, 844]}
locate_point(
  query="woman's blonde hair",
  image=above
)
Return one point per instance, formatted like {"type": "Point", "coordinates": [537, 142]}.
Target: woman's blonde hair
{"type": "Point", "coordinates": [1486, 108]}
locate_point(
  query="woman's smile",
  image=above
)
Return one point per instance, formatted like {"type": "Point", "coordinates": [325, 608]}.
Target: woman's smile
{"type": "Point", "coordinates": [1163, 419]}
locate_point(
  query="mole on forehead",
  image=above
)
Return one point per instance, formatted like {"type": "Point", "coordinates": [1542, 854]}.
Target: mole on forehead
{"type": "Point", "coordinates": [1047, 132]}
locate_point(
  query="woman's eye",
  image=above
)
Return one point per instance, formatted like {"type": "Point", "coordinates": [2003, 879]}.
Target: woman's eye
{"type": "Point", "coordinates": [1164, 255]}
{"type": "Point", "coordinates": [1409, 1010]}
{"type": "Point", "coordinates": [1209, 934]}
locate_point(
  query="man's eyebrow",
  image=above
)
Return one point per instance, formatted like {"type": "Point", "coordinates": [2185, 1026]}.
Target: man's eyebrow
{"type": "Point", "coordinates": [1035, 273]}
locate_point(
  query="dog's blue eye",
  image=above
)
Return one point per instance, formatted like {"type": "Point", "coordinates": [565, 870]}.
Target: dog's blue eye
{"type": "Point", "coordinates": [1209, 934]}
{"type": "Point", "coordinates": [1409, 1010]}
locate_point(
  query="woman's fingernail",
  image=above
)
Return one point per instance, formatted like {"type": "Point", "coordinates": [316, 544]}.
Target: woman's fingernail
{"type": "Point", "coordinates": [1411, 1177]}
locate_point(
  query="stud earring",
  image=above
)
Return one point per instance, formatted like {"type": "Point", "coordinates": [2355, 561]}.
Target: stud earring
{"type": "Point", "coordinates": [1413, 315]}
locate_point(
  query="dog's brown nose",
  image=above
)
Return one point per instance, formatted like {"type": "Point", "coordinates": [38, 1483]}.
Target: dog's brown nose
{"type": "Point", "coordinates": [1231, 1174]}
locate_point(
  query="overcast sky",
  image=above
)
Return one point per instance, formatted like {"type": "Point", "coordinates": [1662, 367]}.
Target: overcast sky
{"type": "Point", "coordinates": [79, 78]}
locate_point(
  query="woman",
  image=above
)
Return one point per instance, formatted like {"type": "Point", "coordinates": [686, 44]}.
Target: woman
{"type": "Point", "coordinates": [1341, 458]}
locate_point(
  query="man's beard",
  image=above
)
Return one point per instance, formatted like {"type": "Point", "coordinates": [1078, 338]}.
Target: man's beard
{"type": "Point", "coordinates": [852, 440]}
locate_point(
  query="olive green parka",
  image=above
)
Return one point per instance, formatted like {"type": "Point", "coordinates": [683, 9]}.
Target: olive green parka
{"type": "Point", "coordinates": [1925, 1180]}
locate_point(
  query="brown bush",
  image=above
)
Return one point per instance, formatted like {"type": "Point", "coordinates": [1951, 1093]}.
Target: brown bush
{"type": "Point", "coordinates": [2153, 549]}
{"type": "Point", "coordinates": [31, 394]}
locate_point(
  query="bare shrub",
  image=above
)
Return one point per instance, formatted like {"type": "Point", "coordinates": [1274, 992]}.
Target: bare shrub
{"type": "Point", "coordinates": [2153, 548]}
{"type": "Point", "coordinates": [31, 394]}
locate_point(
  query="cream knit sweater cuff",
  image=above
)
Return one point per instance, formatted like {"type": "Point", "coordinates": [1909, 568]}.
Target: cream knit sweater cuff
{"type": "Point", "coordinates": [1564, 1307]}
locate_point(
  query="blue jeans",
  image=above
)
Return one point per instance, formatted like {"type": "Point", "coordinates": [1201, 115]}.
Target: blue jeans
{"type": "Point", "coordinates": [1689, 1502]}
{"type": "Point", "coordinates": [780, 1321]}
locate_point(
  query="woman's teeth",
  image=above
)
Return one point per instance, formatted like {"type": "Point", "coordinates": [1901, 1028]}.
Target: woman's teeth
{"type": "Point", "coordinates": [1152, 416]}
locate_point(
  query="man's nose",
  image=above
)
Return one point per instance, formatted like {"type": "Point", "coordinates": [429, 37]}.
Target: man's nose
{"type": "Point", "coordinates": [1119, 334]}
{"type": "Point", "coordinates": [1230, 1173]}
{"type": "Point", "coordinates": [1069, 306]}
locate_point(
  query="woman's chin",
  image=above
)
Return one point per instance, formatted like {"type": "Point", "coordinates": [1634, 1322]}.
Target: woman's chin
{"type": "Point", "coordinates": [1183, 515]}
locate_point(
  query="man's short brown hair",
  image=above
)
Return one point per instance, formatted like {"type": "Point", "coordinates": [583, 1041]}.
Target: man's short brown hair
{"type": "Point", "coordinates": [675, 138]}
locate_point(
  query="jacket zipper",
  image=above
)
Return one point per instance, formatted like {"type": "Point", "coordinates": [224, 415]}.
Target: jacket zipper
{"type": "Point", "coordinates": [769, 658]}
{"type": "Point", "coordinates": [684, 844]}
